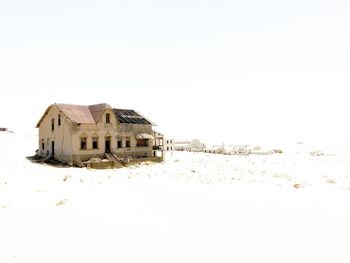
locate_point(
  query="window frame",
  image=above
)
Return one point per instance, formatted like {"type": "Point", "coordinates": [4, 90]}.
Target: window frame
{"type": "Point", "coordinates": [127, 142]}
{"type": "Point", "coordinates": [119, 142]}
{"type": "Point", "coordinates": [95, 140]}
{"type": "Point", "coordinates": [83, 139]}
{"type": "Point", "coordinates": [145, 143]}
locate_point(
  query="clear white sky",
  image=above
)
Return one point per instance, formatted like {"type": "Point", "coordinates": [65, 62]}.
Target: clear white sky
{"type": "Point", "coordinates": [229, 71]}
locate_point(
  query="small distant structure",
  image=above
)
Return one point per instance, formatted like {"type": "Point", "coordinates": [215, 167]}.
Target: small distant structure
{"type": "Point", "coordinates": [182, 146]}
{"type": "Point", "coordinates": [242, 149]}
{"type": "Point", "coordinates": [228, 150]}
{"type": "Point", "coordinates": [194, 145]}
{"type": "Point", "coordinates": [169, 144]}
{"type": "Point", "coordinates": [212, 149]}
{"type": "Point", "coordinates": [97, 136]}
{"type": "Point", "coordinates": [317, 153]}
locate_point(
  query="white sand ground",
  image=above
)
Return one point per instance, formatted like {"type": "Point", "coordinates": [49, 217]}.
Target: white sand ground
{"type": "Point", "coordinates": [193, 208]}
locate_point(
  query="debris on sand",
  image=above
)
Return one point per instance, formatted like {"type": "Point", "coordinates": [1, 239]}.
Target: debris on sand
{"type": "Point", "coordinates": [66, 178]}
{"type": "Point", "coordinates": [61, 202]}
{"type": "Point", "coordinates": [330, 181]}
{"type": "Point", "coordinates": [298, 186]}
{"type": "Point", "coordinates": [317, 153]}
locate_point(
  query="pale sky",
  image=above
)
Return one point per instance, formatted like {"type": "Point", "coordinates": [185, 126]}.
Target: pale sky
{"type": "Point", "coordinates": [225, 71]}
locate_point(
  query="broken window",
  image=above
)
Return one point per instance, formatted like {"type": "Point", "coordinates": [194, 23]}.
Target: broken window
{"type": "Point", "coordinates": [108, 116]}
{"type": "Point", "coordinates": [127, 142]}
{"type": "Point", "coordinates": [83, 143]}
{"type": "Point", "coordinates": [95, 142]}
{"type": "Point", "coordinates": [142, 143]}
{"type": "Point", "coordinates": [119, 142]}
{"type": "Point", "coordinates": [59, 120]}
{"type": "Point", "coordinates": [52, 124]}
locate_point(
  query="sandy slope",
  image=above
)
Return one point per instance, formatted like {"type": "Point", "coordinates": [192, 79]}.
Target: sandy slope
{"type": "Point", "coordinates": [193, 208]}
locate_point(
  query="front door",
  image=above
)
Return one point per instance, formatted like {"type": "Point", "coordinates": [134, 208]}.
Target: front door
{"type": "Point", "coordinates": [53, 148]}
{"type": "Point", "coordinates": [108, 144]}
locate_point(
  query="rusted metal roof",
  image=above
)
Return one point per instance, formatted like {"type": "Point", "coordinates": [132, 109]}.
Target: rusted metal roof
{"type": "Point", "coordinates": [77, 113]}
{"type": "Point", "coordinates": [130, 116]}
{"type": "Point", "coordinates": [144, 136]}
{"type": "Point", "coordinates": [97, 110]}
{"type": "Point", "coordinates": [92, 114]}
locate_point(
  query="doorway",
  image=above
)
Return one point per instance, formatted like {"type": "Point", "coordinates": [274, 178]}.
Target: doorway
{"type": "Point", "coordinates": [53, 148]}
{"type": "Point", "coordinates": [108, 144]}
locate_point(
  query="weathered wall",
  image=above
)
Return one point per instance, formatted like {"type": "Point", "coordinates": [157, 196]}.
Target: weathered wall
{"type": "Point", "coordinates": [61, 135]}
{"type": "Point", "coordinates": [169, 144]}
{"type": "Point", "coordinates": [113, 130]}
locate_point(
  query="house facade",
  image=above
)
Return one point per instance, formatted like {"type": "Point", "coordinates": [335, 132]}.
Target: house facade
{"type": "Point", "coordinates": [169, 144]}
{"type": "Point", "coordinates": [77, 133]}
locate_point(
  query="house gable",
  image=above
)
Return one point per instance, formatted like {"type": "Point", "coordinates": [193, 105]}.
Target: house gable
{"type": "Point", "coordinates": [47, 111]}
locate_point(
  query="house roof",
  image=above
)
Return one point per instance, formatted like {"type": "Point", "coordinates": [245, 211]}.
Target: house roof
{"type": "Point", "coordinates": [130, 116]}
{"type": "Point", "coordinates": [91, 114]}
{"type": "Point", "coordinates": [97, 110]}
{"type": "Point", "coordinates": [77, 113]}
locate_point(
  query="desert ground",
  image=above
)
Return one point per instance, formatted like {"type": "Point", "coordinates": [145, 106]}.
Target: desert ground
{"type": "Point", "coordinates": [195, 207]}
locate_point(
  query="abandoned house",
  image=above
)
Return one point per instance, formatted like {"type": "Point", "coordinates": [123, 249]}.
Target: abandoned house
{"type": "Point", "coordinates": [97, 135]}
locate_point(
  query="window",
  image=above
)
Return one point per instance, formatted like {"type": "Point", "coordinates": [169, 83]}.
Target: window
{"type": "Point", "coordinates": [59, 120]}
{"type": "Point", "coordinates": [42, 144]}
{"type": "Point", "coordinates": [119, 142]}
{"type": "Point", "coordinates": [127, 142]}
{"type": "Point", "coordinates": [142, 143]}
{"type": "Point", "coordinates": [95, 142]}
{"type": "Point", "coordinates": [83, 143]}
{"type": "Point", "coordinates": [52, 124]}
{"type": "Point", "coordinates": [108, 120]}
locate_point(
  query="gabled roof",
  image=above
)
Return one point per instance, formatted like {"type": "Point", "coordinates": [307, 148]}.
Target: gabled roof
{"type": "Point", "coordinates": [77, 113]}
{"type": "Point", "coordinates": [91, 114]}
{"type": "Point", "coordinates": [130, 116]}
{"type": "Point", "coordinates": [97, 110]}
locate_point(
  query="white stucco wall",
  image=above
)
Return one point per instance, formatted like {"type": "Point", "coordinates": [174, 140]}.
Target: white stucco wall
{"type": "Point", "coordinates": [61, 135]}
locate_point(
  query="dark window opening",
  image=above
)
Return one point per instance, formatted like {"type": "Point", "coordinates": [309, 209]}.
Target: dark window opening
{"type": "Point", "coordinates": [59, 120]}
{"type": "Point", "coordinates": [142, 143]}
{"type": "Point", "coordinates": [108, 120]}
{"type": "Point", "coordinates": [108, 144]}
{"type": "Point", "coordinates": [119, 143]}
{"type": "Point", "coordinates": [83, 143]}
{"type": "Point", "coordinates": [127, 142]}
{"type": "Point", "coordinates": [53, 148]}
{"type": "Point", "coordinates": [95, 143]}
{"type": "Point", "coordinates": [42, 144]}
{"type": "Point", "coordinates": [52, 124]}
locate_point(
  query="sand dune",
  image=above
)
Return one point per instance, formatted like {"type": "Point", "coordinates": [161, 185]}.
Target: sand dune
{"type": "Point", "coordinates": [195, 207]}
